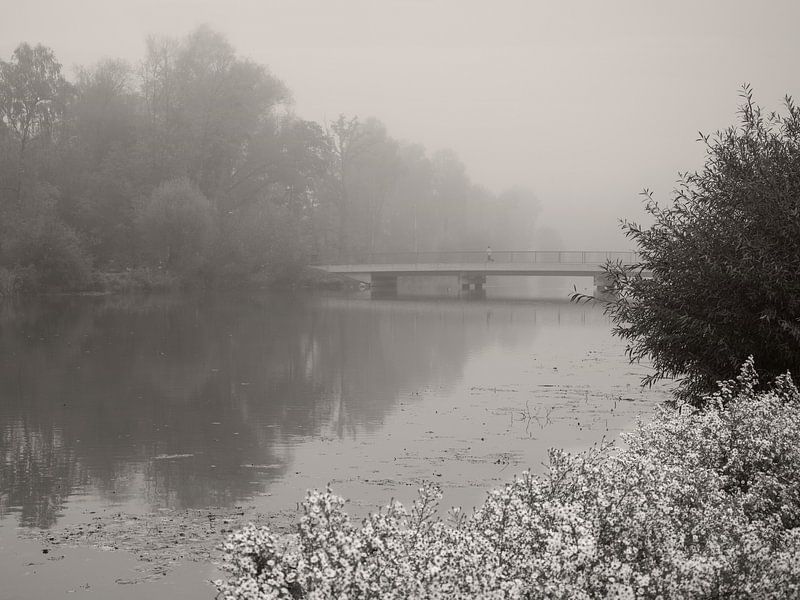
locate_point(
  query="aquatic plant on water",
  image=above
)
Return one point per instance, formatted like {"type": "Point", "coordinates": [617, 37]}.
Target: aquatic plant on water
{"type": "Point", "coordinates": [691, 505]}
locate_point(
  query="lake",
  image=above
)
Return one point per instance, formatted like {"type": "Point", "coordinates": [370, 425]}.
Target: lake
{"type": "Point", "coordinates": [178, 404]}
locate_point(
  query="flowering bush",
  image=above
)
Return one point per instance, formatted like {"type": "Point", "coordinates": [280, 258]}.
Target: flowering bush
{"type": "Point", "coordinates": [696, 505]}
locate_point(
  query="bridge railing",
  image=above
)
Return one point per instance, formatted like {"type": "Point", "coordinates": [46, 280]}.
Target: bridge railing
{"type": "Point", "coordinates": [572, 257]}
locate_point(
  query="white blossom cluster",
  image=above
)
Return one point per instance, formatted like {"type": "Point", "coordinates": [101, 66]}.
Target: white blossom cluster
{"type": "Point", "coordinates": [696, 505]}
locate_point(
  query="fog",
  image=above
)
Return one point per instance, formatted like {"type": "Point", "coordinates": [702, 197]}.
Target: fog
{"type": "Point", "coordinates": [583, 103]}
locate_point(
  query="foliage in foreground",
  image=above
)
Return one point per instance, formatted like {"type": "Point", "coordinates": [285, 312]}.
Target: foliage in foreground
{"type": "Point", "coordinates": [724, 259]}
{"type": "Point", "coordinates": [697, 505]}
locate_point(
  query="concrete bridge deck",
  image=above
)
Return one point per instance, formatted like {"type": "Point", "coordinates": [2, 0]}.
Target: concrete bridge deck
{"type": "Point", "coordinates": [487, 268]}
{"type": "Point", "coordinates": [535, 262]}
{"type": "Point", "coordinates": [473, 267]}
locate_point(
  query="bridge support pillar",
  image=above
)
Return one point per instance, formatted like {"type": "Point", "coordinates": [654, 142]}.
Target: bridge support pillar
{"type": "Point", "coordinates": [472, 284]}
{"type": "Point", "coordinates": [602, 283]}
{"type": "Point", "coordinates": [383, 285]}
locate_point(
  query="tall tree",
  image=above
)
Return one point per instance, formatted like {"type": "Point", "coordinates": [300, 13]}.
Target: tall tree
{"type": "Point", "coordinates": [105, 108]}
{"type": "Point", "coordinates": [408, 218]}
{"type": "Point", "coordinates": [373, 179]}
{"type": "Point", "coordinates": [101, 168]}
{"type": "Point", "coordinates": [33, 96]}
{"type": "Point", "coordinates": [345, 134]}
{"type": "Point", "coordinates": [204, 105]}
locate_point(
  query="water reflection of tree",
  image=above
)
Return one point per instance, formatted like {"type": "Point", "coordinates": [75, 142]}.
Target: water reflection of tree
{"type": "Point", "coordinates": [37, 473]}
{"type": "Point", "coordinates": [94, 390]}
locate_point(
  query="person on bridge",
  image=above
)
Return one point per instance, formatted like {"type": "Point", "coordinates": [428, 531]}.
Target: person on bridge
{"type": "Point", "coordinates": [489, 254]}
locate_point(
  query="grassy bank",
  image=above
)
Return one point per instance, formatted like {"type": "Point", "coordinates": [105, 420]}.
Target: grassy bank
{"type": "Point", "coordinates": [149, 279]}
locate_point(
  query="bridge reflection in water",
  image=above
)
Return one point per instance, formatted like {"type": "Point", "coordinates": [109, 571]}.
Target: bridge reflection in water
{"type": "Point", "coordinates": [381, 270]}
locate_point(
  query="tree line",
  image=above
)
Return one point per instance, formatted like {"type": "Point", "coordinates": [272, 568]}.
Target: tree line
{"type": "Point", "coordinates": [191, 167]}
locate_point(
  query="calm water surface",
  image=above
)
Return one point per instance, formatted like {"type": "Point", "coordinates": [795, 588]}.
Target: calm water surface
{"type": "Point", "coordinates": [152, 403]}
{"type": "Point", "coordinates": [211, 400]}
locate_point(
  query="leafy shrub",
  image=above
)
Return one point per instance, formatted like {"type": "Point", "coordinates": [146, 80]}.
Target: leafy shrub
{"type": "Point", "coordinates": [176, 226]}
{"type": "Point", "coordinates": [38, 249]}
{"type": "Point", "coordinates": [262, 243]}
{"type": "Point", "coordinates": [48, 257]}
{"type": "Point", "coordinates": [55, 259]}
{"type": "Point", "coordinates": [724, 258]}
{"type": "Point", "coordinates": [696, 505]}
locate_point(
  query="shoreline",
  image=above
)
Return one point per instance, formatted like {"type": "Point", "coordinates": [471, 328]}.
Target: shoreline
{"type": "Point", "coordinates": [149, 280]}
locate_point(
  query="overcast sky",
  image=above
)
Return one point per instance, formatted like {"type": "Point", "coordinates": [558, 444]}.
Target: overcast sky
{"type": "Point", "coordinates": [584, 102]}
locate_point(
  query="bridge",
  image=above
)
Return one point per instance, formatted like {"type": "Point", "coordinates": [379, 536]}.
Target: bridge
{"type": "Point", "coordinates": [381, 270]}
